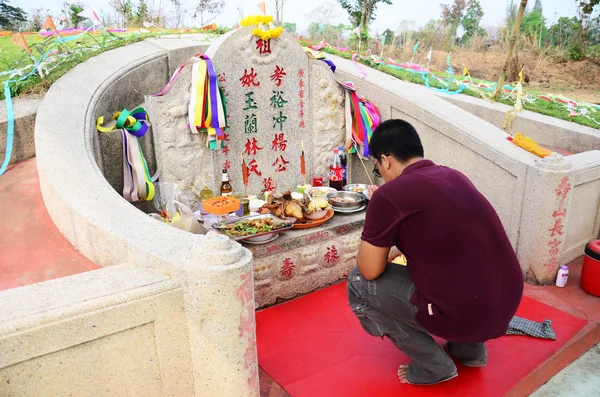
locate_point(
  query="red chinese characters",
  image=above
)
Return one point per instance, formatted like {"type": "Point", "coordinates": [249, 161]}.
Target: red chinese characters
{"type": "Point", "coordinates": [279, 143]}
{"type": "Point", "coordinates": [268, 185]}
{"type": "Point", "coordinates": [563, 188]}
{"type": "Point", "coordinates": [252, 147]}
{"type": "Point", "coordinates": [287, 270]}
{"type": "Point", "coordinates": [277, 76]}
{"type": "Point", "coordinates": [249, 79]}
{"type": "Point", "coordinates": [301, 124]}
{"type": "Point", "coordinates": [280, 164]}
{"type": "Point", "coordinates": [246, 326]}
{"type": "Point", "coordinates": [226, 165]}
{"type": "Point", "coordinates": [332, 256]}
{"type": "Point", "coordinates": [253, 167]}
{"type": "Point", "coordinates": [557, 230]}
{"type": "Point", "coordinates": [263, 46]}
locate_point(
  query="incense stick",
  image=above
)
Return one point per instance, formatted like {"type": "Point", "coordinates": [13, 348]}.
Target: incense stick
{"type": "Point", "coordinates": [365, 167]}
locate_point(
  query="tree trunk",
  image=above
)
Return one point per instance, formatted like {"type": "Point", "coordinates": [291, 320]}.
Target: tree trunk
{"type": "Point", "coordinates": [511, 47]}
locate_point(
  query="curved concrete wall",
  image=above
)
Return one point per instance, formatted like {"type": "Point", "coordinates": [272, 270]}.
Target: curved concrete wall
{"type": "Point", "coordinates": [211, 269]}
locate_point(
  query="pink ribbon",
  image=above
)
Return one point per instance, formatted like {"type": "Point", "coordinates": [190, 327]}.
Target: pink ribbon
{"type": "Point", "coordinates": [361, 71]}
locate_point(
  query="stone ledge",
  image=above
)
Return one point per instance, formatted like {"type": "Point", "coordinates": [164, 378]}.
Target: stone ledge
{"type": "Point", "coordinates": [25, 110]}
{"type": "Point", "coordinates": [547, 130]}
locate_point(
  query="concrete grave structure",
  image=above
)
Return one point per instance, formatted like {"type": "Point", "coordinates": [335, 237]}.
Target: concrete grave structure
{"type": "Point", "coordinates": [191, 297]}
{"type": "Point", "coordinates": [276, 97]}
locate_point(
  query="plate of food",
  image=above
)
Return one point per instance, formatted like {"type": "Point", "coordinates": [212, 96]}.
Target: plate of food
{"type": "Point", "coordinates": [258, 228]}
{"type": "Point", "coordinates": [357, 188]}
{"type": "Point", "coordinates": [308, 223]}
{"type": "Point", "coordinates": [303, 212]}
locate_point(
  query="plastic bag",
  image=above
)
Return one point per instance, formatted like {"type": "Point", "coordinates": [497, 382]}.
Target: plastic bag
{"type": "Point", "coordinates": [172, 211]}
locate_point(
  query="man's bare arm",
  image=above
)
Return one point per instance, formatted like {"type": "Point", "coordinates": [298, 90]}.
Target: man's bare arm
{"type": "Point", "coordinates": [371, 260]}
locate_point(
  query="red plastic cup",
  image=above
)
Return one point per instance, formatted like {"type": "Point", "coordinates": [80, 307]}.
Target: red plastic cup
{"type": "Point", "coordinates": [317, 181]}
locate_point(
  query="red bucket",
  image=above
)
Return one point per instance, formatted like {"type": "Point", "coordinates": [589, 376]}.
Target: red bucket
{"type": "Point", "coordinates": [590, 274]}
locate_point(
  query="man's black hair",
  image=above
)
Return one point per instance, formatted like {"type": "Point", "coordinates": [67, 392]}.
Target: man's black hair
{"type": "Point", "coordinates": [396, 138]}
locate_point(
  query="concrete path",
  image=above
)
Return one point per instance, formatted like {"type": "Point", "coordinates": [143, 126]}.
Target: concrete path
{"type": "Point", "coordinates": [580, 379]}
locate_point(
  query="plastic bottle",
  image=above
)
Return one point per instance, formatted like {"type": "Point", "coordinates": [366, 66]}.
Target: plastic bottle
{"type": "Point", "coordinates": [344, 161]}
{"type": "Point", "coordinates": [562, 276]}
{"type": "Point", "coordinates": [336, 172]}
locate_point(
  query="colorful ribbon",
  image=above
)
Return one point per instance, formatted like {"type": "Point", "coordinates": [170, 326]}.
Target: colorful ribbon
{"type": "Point", "coordinates": [137, 182]}
{"type": "Point", "coordinates": [207, 110]}
{"type": "Point", "coordinates": [362, 117]}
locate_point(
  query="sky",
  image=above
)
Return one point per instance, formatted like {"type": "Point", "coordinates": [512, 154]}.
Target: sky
{"type": "Point", "coordinates": [387, 16]}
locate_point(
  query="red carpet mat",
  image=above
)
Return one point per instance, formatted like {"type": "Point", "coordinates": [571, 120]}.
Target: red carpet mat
{"type": "Point", "coordinates": [314, 346]}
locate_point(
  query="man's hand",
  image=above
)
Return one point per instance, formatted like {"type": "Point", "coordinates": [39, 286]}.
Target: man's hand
{"type": "Point", "coordinates": [372, 189]}
{"type": "Point", "coordinates": [371, 260]}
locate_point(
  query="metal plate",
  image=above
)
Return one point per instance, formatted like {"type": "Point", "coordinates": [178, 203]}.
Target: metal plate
{"type": "Point", "coordinates": [285, 225]}
{"type": "Point", "coordinates": [358, 198]}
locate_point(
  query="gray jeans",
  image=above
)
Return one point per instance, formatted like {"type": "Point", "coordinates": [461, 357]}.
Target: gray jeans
{"type": "Point", "coordinates": [383, 308]}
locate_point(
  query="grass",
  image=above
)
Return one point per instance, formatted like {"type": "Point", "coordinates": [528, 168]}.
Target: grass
{"type": "Point", "coordinates": [552, 109]}
{"type": "Point", "coordinates": [13, 57]}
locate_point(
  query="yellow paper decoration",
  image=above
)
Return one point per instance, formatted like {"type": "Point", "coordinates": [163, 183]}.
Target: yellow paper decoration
{"type": "Point", "coordinates": [530, 145]}
{"type": "Point", "coordinates": [255, 20]}
{"type": "Point", "coordinates": [268, 34]}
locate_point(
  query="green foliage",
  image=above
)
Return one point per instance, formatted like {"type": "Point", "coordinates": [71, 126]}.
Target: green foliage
{"type": "Point", "coordinates": [564, 31]}
{"type": "Point", "coordinates": [587, 6]}
{"type": "Point", "coordinates": [511, 13]}
{"type": "Point", "coordinates": [74, 9]}
{"type": "Point", "coordinates": [534, 24]}
{"type": "Point", "coordinates": [357, 8]}
{"type": "Point", "coordinates": [141, 14]}
{"type": "Point", "coordinates": [389, 36]}
{"type": "Point", "coordinates": [10, 16]}
{"type": "Point", "coordinates": [472, 19]}
{"type": "Point", "coordinates": [290, 27]}
{"type": "Point", "coordinates": [575, 52]}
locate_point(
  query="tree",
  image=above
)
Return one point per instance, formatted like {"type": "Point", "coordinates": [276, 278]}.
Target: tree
{"type": "Point", "coordinates": [279, 11]}
{"type": "Point", "coordinates": [511, 13]}
{"type": "Point", "coordinates": [452, 15]}
{"type": "Point", "coordinates": [326, 13]}
{"type": "Point", "coordinates": [10, 16]}
{"type": "Point", "coordinates": [211, 8]}
{"type": "Point", "coordinates": [141, 14]}
{"type": "Point", "coordinates": [472, 19]}
{"type": "Point", "coordinates": [74, 10]}
{"type": "Point", "coordinates": [534, 24]}
{"type": "Point", "coordinates": [362, 12]}
{"type": "Point", "coordinates": [389, 36]}
{"type": "Point", "coordinates": [538, 6]}
{"type": "Point", "coordinates": [289, 27]}
{"type": "Point", "coordinates": [511, 47]}
{"type": "Point", "coordinates": [179, 12]}
{"type": "Point", "coordinates": [125, 10]}
{"type": "Point", "coordinates": [587, 6]}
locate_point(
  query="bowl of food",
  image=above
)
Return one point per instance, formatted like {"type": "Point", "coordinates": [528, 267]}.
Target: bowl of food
{"type": "Point", "coordinates": [319, 191]}
{"type": "Point", "coordinates": [357, 188]}
{"type": "Point", "coordinates": [346, 200]}
{"type": "Point", "coordinates": [317, 208]}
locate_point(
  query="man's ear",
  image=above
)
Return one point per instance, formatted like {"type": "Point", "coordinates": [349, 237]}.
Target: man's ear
{"type": "Point", "coordinates": [385, 162]}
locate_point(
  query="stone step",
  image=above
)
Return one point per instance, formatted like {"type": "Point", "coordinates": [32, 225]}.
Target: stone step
{"type": "Point", "coordinates": [23, 148]}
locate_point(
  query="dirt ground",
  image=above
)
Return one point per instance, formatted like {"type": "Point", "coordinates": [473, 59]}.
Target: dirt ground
{"type": "Point", "coordinates": [578, 80]}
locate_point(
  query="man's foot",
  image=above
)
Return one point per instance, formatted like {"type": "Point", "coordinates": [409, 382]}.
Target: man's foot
{"type": "Point", "coordinates": [403, 376]}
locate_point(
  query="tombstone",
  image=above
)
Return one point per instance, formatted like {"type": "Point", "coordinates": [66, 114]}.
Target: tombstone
{"type": "Point", "coordinates": [276, 97]}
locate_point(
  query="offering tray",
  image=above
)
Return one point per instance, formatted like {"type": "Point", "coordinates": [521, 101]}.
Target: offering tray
{"type": "Point", "coordinates": [279, 225]}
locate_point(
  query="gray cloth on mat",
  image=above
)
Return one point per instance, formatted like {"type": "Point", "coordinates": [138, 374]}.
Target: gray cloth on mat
{"type": "Point", "coordinates": [522, 326]}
